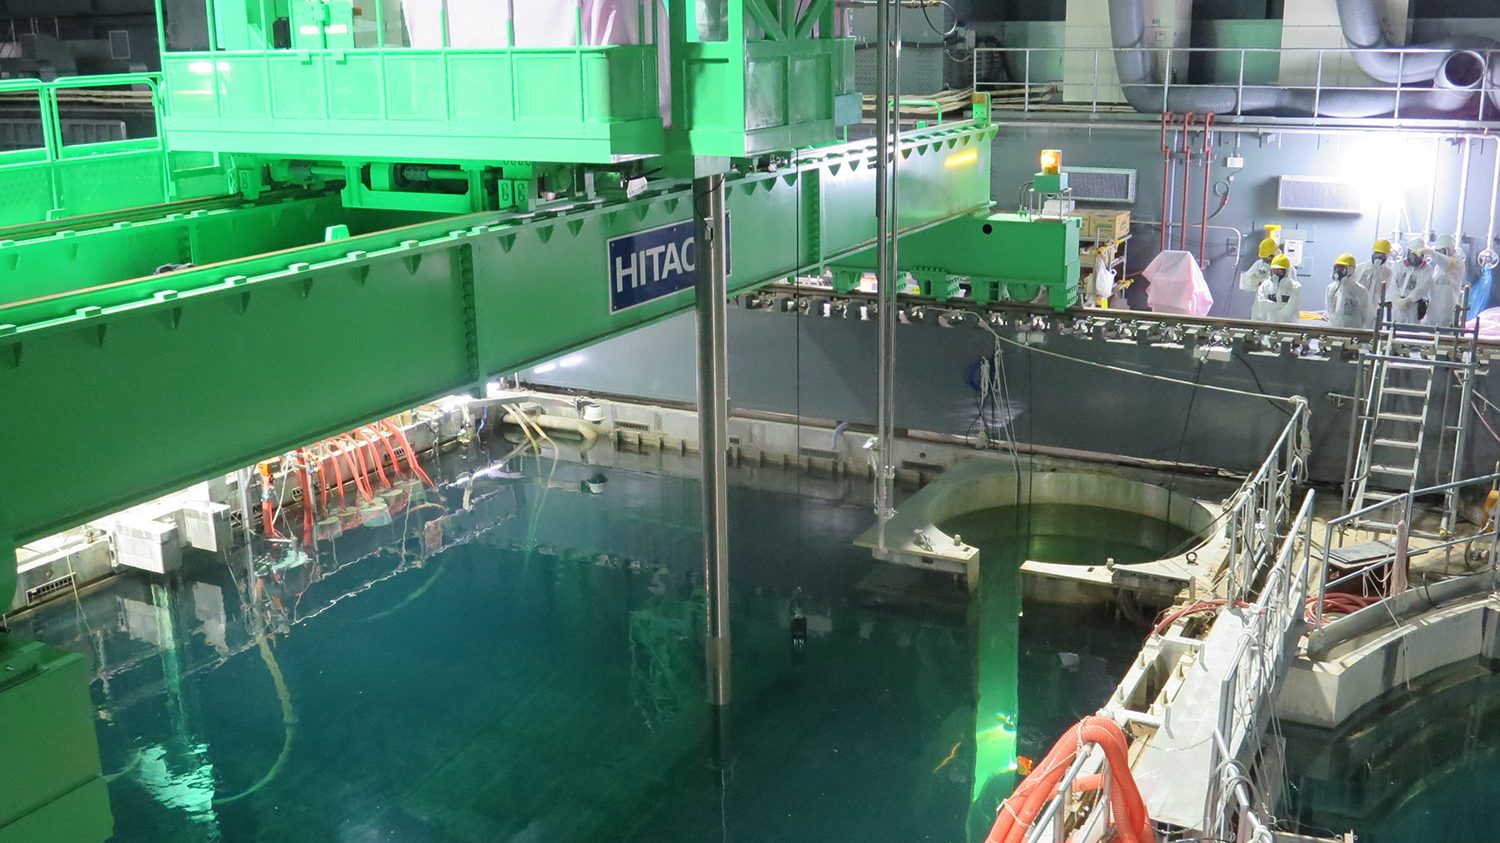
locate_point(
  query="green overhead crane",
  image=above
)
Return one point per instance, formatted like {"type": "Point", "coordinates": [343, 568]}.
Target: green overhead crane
{"type": "Point", "coordinates": [342, 220]}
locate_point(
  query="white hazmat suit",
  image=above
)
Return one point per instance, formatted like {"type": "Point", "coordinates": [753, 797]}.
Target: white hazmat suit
{"type": "Point", "coordinates": [1347, 303]}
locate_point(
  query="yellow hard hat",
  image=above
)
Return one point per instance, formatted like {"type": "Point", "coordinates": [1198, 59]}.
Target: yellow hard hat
{"type": "Point", "coordinates": [1268, 248]}
{"type": "Point", "coordinates": [1281, 262]}
{"type": "Point", "coordinates": [1382, 247]}
{"type": "Point", "coordinates": [1345, 259]}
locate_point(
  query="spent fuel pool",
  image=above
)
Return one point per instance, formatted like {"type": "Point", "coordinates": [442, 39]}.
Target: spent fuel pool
{"type": "Point", "coordinates": [534, 672]}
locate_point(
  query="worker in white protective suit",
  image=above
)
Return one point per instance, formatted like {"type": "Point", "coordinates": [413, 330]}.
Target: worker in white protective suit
{"type": "Point", "coordinates": [1413, 283]}
{"type": "Point", "coordinates": [1346, 300]}
{"type": "Point", "coordinates": [1375, 277]}
{"type": "Point", "coordinates": [1450, 275]}
{"type": "Point", "coordinates": [1279, 298]}
{"type": "Point", "coordinates": [1260, 270]}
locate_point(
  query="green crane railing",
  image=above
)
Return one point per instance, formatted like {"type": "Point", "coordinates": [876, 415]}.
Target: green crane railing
{"type": "Point", "coordinates": [56, 179]}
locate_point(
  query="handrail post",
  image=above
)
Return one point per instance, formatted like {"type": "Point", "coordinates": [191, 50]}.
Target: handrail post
{"type": "Point", "coordinates": [1026, 85]}
{"type": "Point", "coordinates": [1318, 87]}
{"type": "Point", "coordinates": [1239, 88]}
{"type": "Point", "coordinates": [1323, 576]}
{"type": "Point", "coordinates": [1094, 101]}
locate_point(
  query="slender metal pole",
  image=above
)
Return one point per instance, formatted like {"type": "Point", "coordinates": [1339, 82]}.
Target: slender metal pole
{"type": "Point", "coordinates": [1463, 194]}
{"type": "Point", "coordinates": [1437, 157]}
{"type": "Point", "coordinates": [713, 425]}
{"type": "Point", "coordinates": [885, 271]}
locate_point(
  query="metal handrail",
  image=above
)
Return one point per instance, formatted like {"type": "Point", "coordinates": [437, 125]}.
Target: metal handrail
{"type": "Point", "coordinates": [1258, 664]}
{"type": "Point", "coordinates": [1102, 77]}
{"type": "Point", "coordinates": [1260, 658]}
{"type": "Point", "coordinates": [1405, 502]}
{"type": "Point", "coordinates": [1260, 508]}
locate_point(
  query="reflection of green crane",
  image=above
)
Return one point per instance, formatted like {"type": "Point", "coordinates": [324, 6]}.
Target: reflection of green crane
{"type": "Point", "coordinates": [664, 658]}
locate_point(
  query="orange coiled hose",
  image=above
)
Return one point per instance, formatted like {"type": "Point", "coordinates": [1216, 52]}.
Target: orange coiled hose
{"type": "Point", "coordinates": [1127, 809]}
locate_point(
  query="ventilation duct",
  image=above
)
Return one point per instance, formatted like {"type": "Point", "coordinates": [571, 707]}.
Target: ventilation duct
{"type": "Point", "coordinates": [1319, 195]}
{"type": "Point", "coordinates": [1102, 184]}
{"type": "Point", "coordinates": [1146, 94]}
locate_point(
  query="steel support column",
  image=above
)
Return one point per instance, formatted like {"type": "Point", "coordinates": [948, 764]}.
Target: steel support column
{"type": "Point", "coordinates": [886, 214]}
{"type": "Point", "coordinates": [713, 428]}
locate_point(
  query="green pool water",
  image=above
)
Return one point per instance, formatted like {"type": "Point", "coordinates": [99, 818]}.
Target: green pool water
{"type": "Point", "coordinates": [1039, 669]}
{"type": "Point", "coordinates": [540, 677]}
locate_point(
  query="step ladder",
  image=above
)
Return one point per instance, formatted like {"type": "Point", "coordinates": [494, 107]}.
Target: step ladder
{"type": "Point", "coordinates": [1402, 375]}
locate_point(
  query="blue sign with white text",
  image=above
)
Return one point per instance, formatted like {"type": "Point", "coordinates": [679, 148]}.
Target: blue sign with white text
{"type": "Point", "coordinates": [647, 265]}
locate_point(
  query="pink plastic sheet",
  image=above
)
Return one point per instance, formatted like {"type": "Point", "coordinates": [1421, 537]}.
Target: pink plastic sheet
{"type": "Point", "coordinates": [1177, 285]}
{"type": "Point", "coordinates": [1489, 324]}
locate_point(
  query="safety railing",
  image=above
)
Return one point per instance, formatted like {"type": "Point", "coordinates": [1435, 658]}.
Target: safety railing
{"type": "Point", "coordinates": [1262, 507]}
{"type": "Point", "coordinates": [60, 176]}
{"type": "Point", "coordinates": [1378, 576]}
{"type": "Point", "coordinates": [1272, 621]}
{"type": "Point", "coordinates": [1312, 82]}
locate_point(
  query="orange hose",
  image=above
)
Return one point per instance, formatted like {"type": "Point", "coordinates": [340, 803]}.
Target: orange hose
{"type": "Point", "coordinates": [411, 453]}
{"type": "Point", "coordinates": [1208, 604]}
{"type": "Point", "coordinates": [374, 458]}
{"type": "Point", "coordinates": [381, 437]}
{"type": "Point", "coordinates": [355, 473]}
{"type": "Point", "coordinates": [338, 473]}
{"type": "Point", "coordinates": [1127, 809]}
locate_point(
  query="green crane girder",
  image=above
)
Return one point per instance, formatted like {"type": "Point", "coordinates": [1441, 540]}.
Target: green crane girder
{"type": "Point", "coordinates": [1018, 253]}
{"type": "Point", "coordinates": [117, 393]}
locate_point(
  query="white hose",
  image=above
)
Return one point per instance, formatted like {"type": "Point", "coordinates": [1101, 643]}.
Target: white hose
{"type": "Point", "coordinates": [560, 423]}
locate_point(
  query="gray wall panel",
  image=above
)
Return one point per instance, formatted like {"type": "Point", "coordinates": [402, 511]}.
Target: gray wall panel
{"type": "Point", "coordinates": [1056, 403]}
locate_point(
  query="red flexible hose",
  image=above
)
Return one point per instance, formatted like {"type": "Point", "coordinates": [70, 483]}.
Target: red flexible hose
{"type": "Point", "coordinates": [355, 473]}
{"type": "Point", "coordinates": [1338, 603]}
{"type": "Point", "coordinates": [338, 472]}
{"type": "Point", "coordinates": [1127, 809]}
{"type": "Point", "coordinates": [1172, 616]}
{"type": "Point", "coordinates": [374, 457]}
{"type": "Point", "coordinates": [411, 453]}
{"type": "Point", "coordinates": [384, 439]}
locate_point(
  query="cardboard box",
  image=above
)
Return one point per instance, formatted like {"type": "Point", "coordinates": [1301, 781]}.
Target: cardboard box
{"type": "Point", "coordinates": [1104, 225]}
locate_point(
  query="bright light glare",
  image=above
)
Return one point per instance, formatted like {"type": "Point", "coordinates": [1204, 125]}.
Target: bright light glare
{"type": "Point", "coordinates": [544, 368]}
{"type": "Point", "coordinates": [960, 159]}
{"type": "Point", "coordinates": [1387, 167]}
{"type": "Point", "coordinates": [572, 360]}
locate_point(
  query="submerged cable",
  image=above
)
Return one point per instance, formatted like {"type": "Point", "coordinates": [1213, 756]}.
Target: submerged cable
{"type": "Point", "coordinates": [288, 722]}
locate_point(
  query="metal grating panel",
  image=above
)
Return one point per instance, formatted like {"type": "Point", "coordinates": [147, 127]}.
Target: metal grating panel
{"type": "Point", "coordinates": [1102, 184]}
{"type": "Point", "coordinates": [1319, 195]}
{"type": "Point", "coordinates": [47, 589]}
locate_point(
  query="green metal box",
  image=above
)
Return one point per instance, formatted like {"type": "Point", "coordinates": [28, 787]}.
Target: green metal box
{"type": "Point", "coordinates": [51, 787]}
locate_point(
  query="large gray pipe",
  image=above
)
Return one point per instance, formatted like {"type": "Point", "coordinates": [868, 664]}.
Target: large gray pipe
{"type": "Point", "coordinates": [1127, 20]}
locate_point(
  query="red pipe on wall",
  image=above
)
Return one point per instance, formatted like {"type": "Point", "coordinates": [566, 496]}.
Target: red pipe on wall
{"type": "Point", "coordinates": [1208, 167]}
{"type": "Point", "coordinates": [1166, 177]}
{"type": "Point", "coordinates": [1187, 178]}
